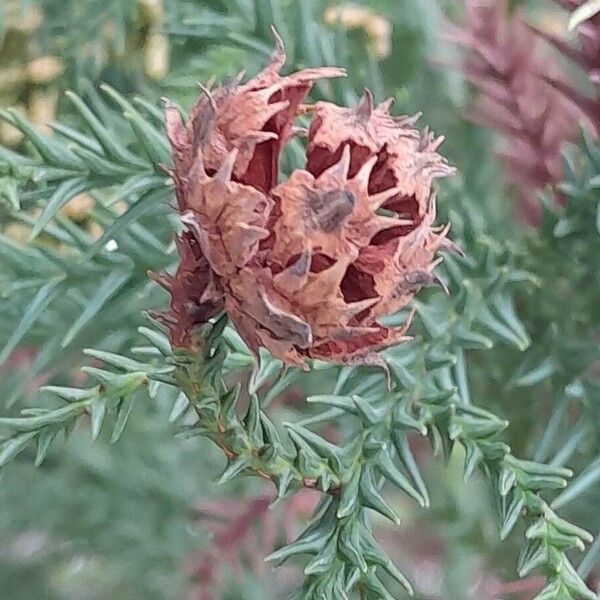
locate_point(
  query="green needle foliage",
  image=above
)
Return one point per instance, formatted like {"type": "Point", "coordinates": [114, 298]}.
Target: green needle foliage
{"type": "Point", "coordinates": [428, 394]}
{"type": "Point", "coordinates": [343, 553]}
{"type": "Point", "coordinates": [455, 384]}
{"type": "Point", "coordinates": [64, 276]}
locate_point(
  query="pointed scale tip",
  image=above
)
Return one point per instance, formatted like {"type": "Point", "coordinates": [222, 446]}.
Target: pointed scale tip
{"type": "Point", "coordinates": [198, 169]}
{"type": "Point", "coordinates": [344, 162]}
{"type": "Point", "coordinates": [365, 105]}
{"type": "Point", "coordinates": [165, 280]}
{"type": "Point", "coordinates": [211, 101]}
{"type": "Point", "coordinates": [376, 201]}
{"type": "Point", "coordinates": [340, 169]}
{"type": "Point", "coordinates": [234, 82]}
{"type": "Point", "coordinates": [278, 55]}
{"type": "Point", "coordinates": [408, 121]}
{"type": "Point", "coordinates": [364, 173]}
{"type": "Point", "coordinates": [294, 277]}
{"type": "Point", "coordinates": [439, 283]}
{"type": "Point", "coordinates": [386, 105]}
{"type": "Point", "coordinates": [167, 102]}
{"type": "Point", "coordinates": [225, 171]}
{"type": "Point", "coordinates": [277, 39]}
{"type": "Point", "coordinates": [259, 137]}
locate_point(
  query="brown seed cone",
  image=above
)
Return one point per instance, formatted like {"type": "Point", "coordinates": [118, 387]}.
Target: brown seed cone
{"type": "Point", "coordinates": [304, 267]}
{"type": "Point", "coordinates": [195, 297]}
{"type": "Point", "coordinates": [255, 118]}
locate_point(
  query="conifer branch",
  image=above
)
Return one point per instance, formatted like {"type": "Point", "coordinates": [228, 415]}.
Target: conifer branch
{"type": "Point", "coordinates": [430, 393]}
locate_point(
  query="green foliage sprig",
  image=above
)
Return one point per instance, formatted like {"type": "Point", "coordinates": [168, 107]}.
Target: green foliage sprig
{"type": "Point", "coordinates": [343, 553]}
{"type": "Point", "coordinates": [430, 392]}
{"type": "Point", "coordinates": [429, 395]}
{"type": "Point", "coordinates": [64, 271]}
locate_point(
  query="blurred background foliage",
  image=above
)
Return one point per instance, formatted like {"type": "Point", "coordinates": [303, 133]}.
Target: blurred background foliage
{"type": "Point", "coordinates": [143, 518]}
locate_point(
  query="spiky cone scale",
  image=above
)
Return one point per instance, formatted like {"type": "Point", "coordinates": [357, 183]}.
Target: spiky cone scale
{"type": "Point", "coordinates": [194, 297]}
{"type": "Point", "coordinates": [304, 267]}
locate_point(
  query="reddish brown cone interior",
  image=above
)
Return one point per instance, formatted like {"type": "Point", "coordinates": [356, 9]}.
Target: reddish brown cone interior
{"type": "Point", "coordinates": [306, 269]}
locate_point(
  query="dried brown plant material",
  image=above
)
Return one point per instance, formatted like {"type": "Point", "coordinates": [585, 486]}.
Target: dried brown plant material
{"type": "Point", "coordinates": [21, 18]}
{"type": "Point", "coordinates": [44, 69]}
{"type": "Point", "coordinates": [79, 208]}
{"type": "Point", "coordinates": [156, 56]}
{"type": "Point", "coordinates": [304, 267]}
{"type": "Point", "coordinates": [152, 12]}
{"type": "Point", "coordinates": [9, 134]}
{"type": "Point", "coordinates": [155, 46]}
{"type": "Point", "coordinates": [504, 61]}
{"type": "Point", "coordinates": [41, 108]}
{"type": "Point", "coordinates": [242, 531]}
{"type": "Point", "coordinates": [17, 232]}
{"type": "Point", "coordinates": [586, 55]}
{"type": "Point", "coordinates": [11, 77]}
{"type": "Point", "coordinates": [377, 28]}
